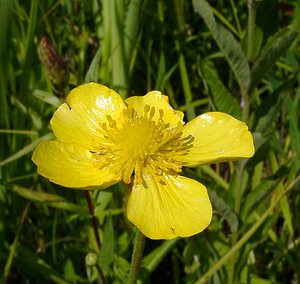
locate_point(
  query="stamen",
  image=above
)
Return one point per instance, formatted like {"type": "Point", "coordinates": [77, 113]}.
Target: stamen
{"type": "Point", "coordinates": [152, 112]}
{"type": "Point", "coordinates": [161, 113]}
{"type": "Point", "coordinates": [146, 108]}
{"type": "Point", "coordinates": [142, 142]}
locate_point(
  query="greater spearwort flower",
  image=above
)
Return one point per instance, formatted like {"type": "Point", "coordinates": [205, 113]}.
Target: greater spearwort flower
{"type": "Point", "coordinates": [144, 142]}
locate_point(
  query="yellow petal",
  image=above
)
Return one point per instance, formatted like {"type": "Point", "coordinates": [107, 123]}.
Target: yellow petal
{"type": "Point", "coordinates": [78, 120]}
{"type": "Point", "coordinates": [181, 207]}
{"type": "Point", "coordinates": [219, 137]}
{"type": "Point", "coordinates": [159, 104]}
{"type": "Point", "coordinates": [70, 166]}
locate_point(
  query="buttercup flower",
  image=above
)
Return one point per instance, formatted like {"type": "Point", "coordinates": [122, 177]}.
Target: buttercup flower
{"type": "Point", "coordinates": [142, 141]}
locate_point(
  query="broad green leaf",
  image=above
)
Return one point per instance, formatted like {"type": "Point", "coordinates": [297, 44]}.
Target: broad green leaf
{"type": "Point", "coordinates": [293, 114]}
{"type": "Point", "coordinates": [226, 212]}
{"type": "Point", "coordinates": [269, 109]}
{"type": "Point", "coordinates": [266, 10]}
{"type": "Point", "coordinates": [273, 50]}
{"type": "Point", "coordinates": [153, 259]}
{"type": "Point", "coordinates": [69, 269]}
{"type": "Point", "coordinates": [107, 251]}
{"type": "Point", "coordinates": [258, 280]}
{"type": "Point", "coordinates": [221, 97]}
{"type": "Point", "coordinates": [121, 269]}
{"type": "Point", "coordinates": [49, 199]}
{"type": "Point", "coordinates": [258, 196]}
{"type": "Point", "coordinates": [104, 197]}
{"type": "Point", "coordinates": [227, 43]}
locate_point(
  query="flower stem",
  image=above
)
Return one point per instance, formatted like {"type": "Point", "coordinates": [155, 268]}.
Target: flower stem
{"type": "Point", "coordinates": [251, 25]}
{"type": "Point", "coordinates": [250, 40]}
{"type": "Point", "coordinates": [137, 256]}
{"type": "Point", "coordinates": [94, 220]}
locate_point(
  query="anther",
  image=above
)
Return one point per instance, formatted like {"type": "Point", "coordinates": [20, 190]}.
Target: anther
{"type": "Point", "coordinates": [103, 125]}
{"type": "Point", "coordinates": [146, 108]}
{"type": "Point", "coordinates": [152, 112]}
{"type": "Point", "coordinates": [112, 123]}
{"type": "Point", "coordinates": [161, 113]}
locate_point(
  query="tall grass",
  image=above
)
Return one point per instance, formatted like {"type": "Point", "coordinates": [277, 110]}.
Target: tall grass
{"type": "Point", "coordinates": [236, 57]}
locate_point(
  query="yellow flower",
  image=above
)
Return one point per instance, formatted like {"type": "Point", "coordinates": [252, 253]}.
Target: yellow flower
{"type": "Point", "coordinates": [102, 140]}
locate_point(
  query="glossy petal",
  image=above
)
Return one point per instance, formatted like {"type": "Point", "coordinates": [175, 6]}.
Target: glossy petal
{"type": "Point", "coordinates": [78, 120]}
{"type": "Point", "coordinates": [158, 102]}
{"type": "Point", "coordinates": [219, 137]}
{"type": "Point", "coordinates": [181, 207]}
{"type": "Point", "coordinates": [70, 166]}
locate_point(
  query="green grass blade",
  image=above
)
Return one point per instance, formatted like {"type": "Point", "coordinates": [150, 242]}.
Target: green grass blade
{"type": "Point", "coordinates": [13, 246]}
{"type": "Point", "coordinates": [27, 66]}
{"type": "Point", "coordinates": [119, 67]}
{"type": "Point", "coordinates": [47, 97]}
{"type": "Point", "coordinates": [131, 26]}
{"type": "Point", "coordinates": [243, 240]}
{"type": "Point", "coordinates": [27, 149]}
{"type": "Point", "coordinates": [153, 259]}
{"type": "Point", "coordinates": [107, 251]}
{"type": "Point", "coordinates": [227, 43]}
{"type": "Point", "coordinates": [293, 113]}
{"type": "Point", "coordinates": [186, 84]}
{"type": "Point", "coordinates": [5, 39]}
{"type": "Point", "coordinates": [49, 199]}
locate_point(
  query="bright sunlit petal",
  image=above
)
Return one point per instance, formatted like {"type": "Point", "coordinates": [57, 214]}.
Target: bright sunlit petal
{"type": "Point", "coordinates": [70, 166]}
{"type": "Point", "coordinates": [159, 105]}
{"type": "Point", "coordinates": [178, 206]}
{"type": "Point", "coordinates": [218, 137]}
{"type": "Point", "coordinates": [78, 120]}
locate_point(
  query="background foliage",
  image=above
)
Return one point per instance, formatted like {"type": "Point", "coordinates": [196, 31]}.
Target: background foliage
{"type": "Point", "coordinates": [232, 56]}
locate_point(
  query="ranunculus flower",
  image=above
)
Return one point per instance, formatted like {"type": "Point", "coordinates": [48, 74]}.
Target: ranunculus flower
{"type": "Point", "coordinates": [143, 142]}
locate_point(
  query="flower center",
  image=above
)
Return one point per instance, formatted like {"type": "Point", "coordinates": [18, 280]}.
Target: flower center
{"type": "Point", "coordinates": [142, 141]}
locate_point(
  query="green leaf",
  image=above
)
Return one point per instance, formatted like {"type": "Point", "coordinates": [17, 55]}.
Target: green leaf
{"type": "Point", "coordinates": [49, 199]}
{"type": "Point", "coordinates": [27, 149]}
{"type": "Point", "coordinates": [293, 113]}
{"type": "Point", "coordinates": [103, 199]}
{"type": "Point", "coordinates": [107, 251]}
{"type": "Point", "coordinates": [29, 263]}
{"type": "Point", "coordinates": [269, 108]}
{"type": "Point", "coordinates": [93, 72]}
{"type": "Point", "coordinates": [225, 211]}
{"type": "Point", "coordinates": [273, 50]}
{"type": "Point", "coordinates": [221, 97]}
{"type": "Point", "coordinates": [131, 26]}
{"type": "Point", "coordinates": [257, 196]}
{"type": "Point", "coordinates": [47, 97]}
{"type": "Point", "coordinates": [153, 259]}
{"type": "Point", "coordinates": [266, 10]}
{"type": "Point", "coordinates": [227, 43]}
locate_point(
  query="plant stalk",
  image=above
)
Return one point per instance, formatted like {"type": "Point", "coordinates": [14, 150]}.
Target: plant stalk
{"type": "Point", "coordinates": [251, 25]}
{"type": "Point", "coordinates": [137, 256]}
{"type": "Point", "coordinates": [94, 221]}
